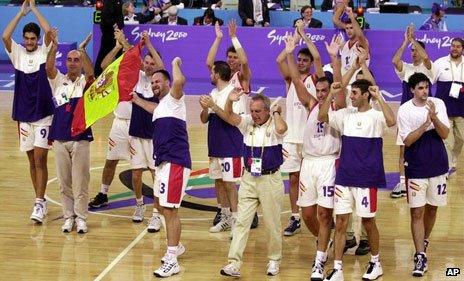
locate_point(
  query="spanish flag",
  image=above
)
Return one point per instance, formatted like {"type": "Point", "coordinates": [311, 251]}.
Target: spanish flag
{"type": "Point", "coordinates": [113, 86]}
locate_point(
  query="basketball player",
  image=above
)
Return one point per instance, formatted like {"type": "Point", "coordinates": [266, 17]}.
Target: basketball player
{"type": "Point", "coordinates": [360, 171]}
{"type": "Point", "coordinates": [32, 102]}
{"type": "Point", "coordinates": [321, 147]}
{"type": "Point", "coordinates": [241, 76]}
{"type": "Point", "coordinates": [225, 142]}
{"type": "Point", "coordinates": [296, 115]}
{"type": "Point", "coordinates": [420, 63]}
{"type": "Point", "coordinates": [171, 155]}
{"type": "Point", "coordinates": [423, 125]}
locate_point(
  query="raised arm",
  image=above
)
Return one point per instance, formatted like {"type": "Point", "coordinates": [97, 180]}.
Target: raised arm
{"type": "Point", "coordinates": [87, 62]}
{"type": "Point", "coordinates": [178, 79]}
{"type": "Point", "coordinates": [50, 67]}
{"type": "Point", "coordinates": [6, 36]}
{"type": "Point", "coordinates": [338, 11]}
{"type": "Point", "coordinates": [422, 53]}
{"type": "Point", "coordinates": [154, 54]}
{"type": "Point", "coordinates": [245, 72]}
{"type": "Point", "coordinates": [280, 124]}
{"type": "Point", "coordinates": [386, 109]}
{"type": "Point", "coordinates": [333, 49]}
{"type": "Point", "coordinates": [397, 61]}
{"type": "Point", "coordinates": [214, 47]}
{"type": "Point", "coordinates": [303, 95]}
{"type": "Point", "coordinates": [362, 58]}
{"type": "Point", "coordinates": [109, 58]}
{"type": "Point", "coordinates": [146, 105]}
{"type": "Point", "coordinates": [323, 114]}
{"type": "Point", "coordinates": [313, 50]}
{"type": "Point", "coordinates": [42, 21]}
{"type": "Point", "coordinates": [357, 29]}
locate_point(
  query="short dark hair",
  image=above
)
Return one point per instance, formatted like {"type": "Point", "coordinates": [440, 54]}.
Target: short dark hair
{"type": "Point", "coordinates": [223, 69]}
{"type": "Point", "coordinates": [32, 27]}
{"type": "Point", "coordinates": [304, 8]}
{"type": "Point", "coordinates": [416, 78]}
{"type": "Point", "coordinates": [361, 72]}
{"type": "Point", "coordinates": [323, 79]}
{"type": "Point", "coordinates": [363, 85]}
{"type": "Point", "coordinates": [421, 43]}
{"type": "Point", "coordinates": [460, 40]}
{"type": "Point", "coordinates": [231, 49]}
{"type": "Point", "coordinates": [209, 13]}
{"type": "Point", "coordinates": [306, 52]}
{"type": "Point", "coordinates": [149, 54]}
{"type": "Point", "coordinates": [165, 74]}
{"type": "Point", "coordinates": [266, 101]}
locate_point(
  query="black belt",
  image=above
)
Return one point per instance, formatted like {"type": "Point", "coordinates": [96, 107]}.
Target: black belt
{"type": "Point", "coordinates": [265, 172]}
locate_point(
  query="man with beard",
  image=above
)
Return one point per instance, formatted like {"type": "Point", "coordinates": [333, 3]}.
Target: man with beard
{"type": "Point", "coordinates": [32, 102]}
{"type": "Point", "coordinates": [171, 155]}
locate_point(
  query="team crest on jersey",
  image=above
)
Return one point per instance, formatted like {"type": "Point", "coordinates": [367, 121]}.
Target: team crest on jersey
{"type": "Point", "coordinates": [102, 87]}
{"type": "Point", "coordinates": [359, 124]}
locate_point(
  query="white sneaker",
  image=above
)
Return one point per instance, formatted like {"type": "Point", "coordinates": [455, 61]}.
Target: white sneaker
{"type": "Point", "coordinates": [154, 224]}
{"type": "Point", "coordinates": [68, 225]}
{"type": "Point", "coordinates": [230, 270]}
{"type": "Point", "coordinates": [335, 275]}
{"type": "Point", "coordinates": [224, 225]}
{"type": "Point", "coordinates": [180, 251]}
{"type": "Point", "coordinates": [45, 207]}
{"type": "Point", "coordinates": [399, 191]}
{"type": "Point", "coordinates": [81, 226]}
{"type": "Point", "coordinates": [317, 273]}
{"type": "Point", "coordinates": [38, 213]}
{"type": "Point", "coordinates": [273, 268]}
{"type": "Point", "coordinates": [139, 211]}
{"type": "Point", "coordinates": [374, 271]}
{"type": "Point", "coordinates": [167, 269]}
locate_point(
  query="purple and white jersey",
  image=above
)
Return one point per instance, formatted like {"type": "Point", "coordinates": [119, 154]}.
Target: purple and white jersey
{"type": "Point", "coordinates": [296, 113]}
{"type": "Point", "coordinates": [224, 140]}
{"type": "Point", "coordinates": [141, 125]}
{"type": "Point", "coordinates": [258, 137]}
{"type": "Point", "coordinates": [408, 70]}
{"type": "Point", "coordinates": [67, 94]}
{"type": "Point", "coordinates": [170, 139]}
{"type": "Point", "coordinates": [319, 139]}
{"type": "Point", "coordinates": [32, 100]}
{"type": "Point", "coordinates": [448, 72]}
{"type": "Point", "coordinates": [361, 158]}
{"type": "Point", "coordinates": [426, 157]}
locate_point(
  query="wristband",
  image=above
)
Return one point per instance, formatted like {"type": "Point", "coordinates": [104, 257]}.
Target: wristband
{"type": "Point", "coordinates": [236, 43]}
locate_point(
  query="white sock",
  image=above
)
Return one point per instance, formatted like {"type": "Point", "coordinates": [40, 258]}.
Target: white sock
{"type": "Point", "coordinates": [172, 252]}
{"type": "Point", "coordinates": [104, 188]}
{"type": "Point", "coordinates": [402, 179]}
{"type": "Point", "coordinates": [39, 200]}
{"type": "Point", "coordinates": [155, 211]}
{"type": "Point", "coordinates": [296, 216]}
{"type": "Point", "coordinates": [375, 258]}
{"type": "Point", "coordinates": [139, 200]}
{"type": "Point", "coordinates": [338, 264]}
{"type": "Point", "coordinates": [321, 257]}
{"type": "Point", "coordinates": [226, 211]}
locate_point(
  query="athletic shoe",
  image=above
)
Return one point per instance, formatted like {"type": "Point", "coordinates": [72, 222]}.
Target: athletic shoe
{"type": "Point", "coordinates": [420, 265]}
{"type": "Point", "coordinates": [45, 207]}
{"type": "Point", "coordinates": [350, 244]}
{"type": "Point", "coordinates": [168, 268]}
{"type": "Point", "coordinates": [230, 270]}
{"type": "Point", "coordinates": [180, 251]}
{"type": "Point", "coordinates": [38, 213]}
{"type": "Point", "coordinates": [363, 249]}
{"type": "Point", "coordinates": [273, 268]}
{"type": "Point", "coordinates": [426, 244]}
{"type": "Point", "coordinates": [255, 222]}
{"type": "Point", "coordinates": [399, 191]}
{"type": "Point", "coordinates": [374, 271]}
{"type": "Point", "coordinates": [294, 226]}
{"type": "Point", "coordinates": [68, 225]}
{"type": "Point", "coordinates": [317, 273]}
{"type": "Point", "coordinates": [452, 171]}
{"type": "Point", "coordinates": [154, 224]}
{"type": "Point", "coordinates": [99, 201]}
{"type": "Point", "coordinates": [81, 226]}
{"type": "Point", "coordinates": [224, 225]}
{"type": "Point", "coordinates": [335, 275]}
{"type": "Point", "coordinates": [139, 211]}
{"type": "Point", "coordinates": [218, 216]}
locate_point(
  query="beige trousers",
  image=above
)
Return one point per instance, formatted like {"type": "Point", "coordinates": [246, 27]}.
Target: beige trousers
{"type": "Point", "coordinates": [73, 169]}
{"type": "Point", "coordinates": [267, 191]}
{"type": "Point", "coordinates": [454, 142]}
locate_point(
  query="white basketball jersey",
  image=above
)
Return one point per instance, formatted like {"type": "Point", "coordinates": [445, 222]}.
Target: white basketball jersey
{"type": "Point", "coordinates": [348, 57]}
{"type": "Point", "coordinates": [221, 97]}
{"type": "Point", "coordinates": [320, 140]}
{"type": "Point", "coordinates": [296, 113]}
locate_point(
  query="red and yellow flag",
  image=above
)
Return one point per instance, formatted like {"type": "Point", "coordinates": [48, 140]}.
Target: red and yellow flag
{"type": "Point", "coordinates": [113, 86]}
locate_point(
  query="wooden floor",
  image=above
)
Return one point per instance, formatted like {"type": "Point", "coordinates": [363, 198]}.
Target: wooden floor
{"type": "Point", "coordinates": [117, 249]}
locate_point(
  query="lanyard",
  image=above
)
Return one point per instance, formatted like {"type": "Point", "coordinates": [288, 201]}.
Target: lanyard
{"type": "Point", "coordinates": [264, 138]}
{"type": "Point", "coordinates": [452, 71]}
{"type": "Point", "coordinates": [74, 87]}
